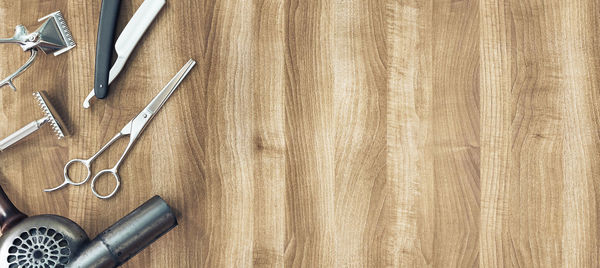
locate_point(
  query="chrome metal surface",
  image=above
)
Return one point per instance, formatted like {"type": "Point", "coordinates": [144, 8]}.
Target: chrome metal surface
{"type": "Point", "coordinates": [54, 241]}
{"type": "Point", "coordinates": [50, 116]}
{"type": "Point", "coordinates": [10, 79]}
{"type": "Point", "coordinates": [130, 235]}
{"type": "Point", "coordinates": [57, 124]}
{"type": "Point", "coordinates": [53, 36]}
{"type": "Point", "coordinates": [41, 240]}
{"type": "Point", "coordinates": [132, 129]}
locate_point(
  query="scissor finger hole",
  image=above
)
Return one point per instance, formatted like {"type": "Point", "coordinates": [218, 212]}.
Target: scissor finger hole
{"type": "Point", "coordinates": [77, 172]}
{"type": "Point", "coordinates": [105, 184]}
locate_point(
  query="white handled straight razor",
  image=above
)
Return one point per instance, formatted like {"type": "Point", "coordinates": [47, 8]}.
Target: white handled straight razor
{"type": "Point", "coordinates": [131, 35]}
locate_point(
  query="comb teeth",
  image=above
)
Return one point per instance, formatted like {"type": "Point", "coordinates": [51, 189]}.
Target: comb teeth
{"type": "Point", "coordinates": [48, 115]}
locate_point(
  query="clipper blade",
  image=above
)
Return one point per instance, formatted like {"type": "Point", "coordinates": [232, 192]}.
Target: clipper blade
{"type": "Point", "coordinates": [51, 115]}
{"type": "Point", "coordinates": [56, 36]}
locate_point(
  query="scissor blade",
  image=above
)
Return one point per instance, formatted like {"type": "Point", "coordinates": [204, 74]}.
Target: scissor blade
{"type": "Point", "coordinates": [166, 92]}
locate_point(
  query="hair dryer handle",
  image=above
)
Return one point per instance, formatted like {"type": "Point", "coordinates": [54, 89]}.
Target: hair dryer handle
{"type": "Point", "coordinates": [9, 214]}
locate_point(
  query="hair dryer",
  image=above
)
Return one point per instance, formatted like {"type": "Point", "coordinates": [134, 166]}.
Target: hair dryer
{"type": "Point", "coordinates": [55, 241]}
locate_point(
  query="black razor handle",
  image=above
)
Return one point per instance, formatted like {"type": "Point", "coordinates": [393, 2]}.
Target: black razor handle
{"type": "Point", "coordinates": [109, 13]}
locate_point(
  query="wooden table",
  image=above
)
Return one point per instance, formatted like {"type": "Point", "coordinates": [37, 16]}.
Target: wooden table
{"type": "Point", "coordinates": [333, 133]}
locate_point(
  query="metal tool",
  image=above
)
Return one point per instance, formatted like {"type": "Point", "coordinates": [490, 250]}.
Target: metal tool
{"type": "Point", "coordinates": [124, 239]}
{"type": "Point", "coordinates": [127, 41]}
{"type": "Point", "coordinates": [133, 129]}
{"type": "Point", "coordinates": [50, 117]}
{"type": "Point", "coordinates": [53, 36]}
{"type": "Point", "coordinates": [55, 241]}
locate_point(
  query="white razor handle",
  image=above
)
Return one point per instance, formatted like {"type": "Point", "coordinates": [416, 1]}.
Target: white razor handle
{"type": "Point", "coordinates": [131, 35]}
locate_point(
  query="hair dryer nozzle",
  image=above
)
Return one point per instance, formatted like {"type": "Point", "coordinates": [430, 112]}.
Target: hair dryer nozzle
{"type": "Point", "coordinates": [128, 236]}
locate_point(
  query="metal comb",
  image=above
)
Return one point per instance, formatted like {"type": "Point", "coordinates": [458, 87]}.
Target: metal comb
{"type": "Point", "coordinates": [53, 36]}
{"type": "Point", "coordinates": [50, 116]}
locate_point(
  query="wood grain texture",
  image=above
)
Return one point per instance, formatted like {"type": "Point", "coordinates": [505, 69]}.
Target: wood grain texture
{"type": "Point", "coordinates": [540, 135]}
{"type": "Point", "coordinates": [346, 133]}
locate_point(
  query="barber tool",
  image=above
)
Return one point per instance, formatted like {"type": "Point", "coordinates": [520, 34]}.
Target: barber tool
{"type": "Point", "coordinates": [133, 129]}
{"type": "Point", "coordinates": [55, 241]}
{"type": "Point", "coordinates": [109, 12]}
{"type": "Point", "coordinates": [53, 36]}
{"type": "Point", "coordinates": [125, 44]}
{"type": "Point", "coordinates": [50, 117]}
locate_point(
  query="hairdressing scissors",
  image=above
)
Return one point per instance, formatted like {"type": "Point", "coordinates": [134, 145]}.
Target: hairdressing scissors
{"type": "Point", "coordinates": [133, 129]}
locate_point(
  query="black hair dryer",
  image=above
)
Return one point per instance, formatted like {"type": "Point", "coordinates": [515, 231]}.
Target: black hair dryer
{"type": "Point", "coordinates": [54, 241]}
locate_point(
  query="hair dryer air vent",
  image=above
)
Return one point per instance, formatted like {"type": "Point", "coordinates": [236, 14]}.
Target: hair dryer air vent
{"type": "Point", "coordinates": [47, 241]}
